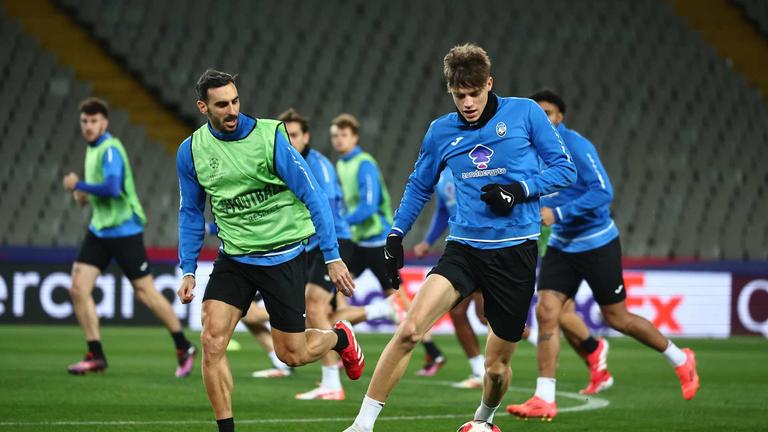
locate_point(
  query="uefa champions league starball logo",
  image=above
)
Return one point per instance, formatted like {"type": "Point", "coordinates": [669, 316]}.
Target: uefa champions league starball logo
{"type": "Point", "coordinates": [501, 129]}
{"type": "Point", "coordinates": [481, 156]}
{"type": "Point", "coordinates": [213, 163]}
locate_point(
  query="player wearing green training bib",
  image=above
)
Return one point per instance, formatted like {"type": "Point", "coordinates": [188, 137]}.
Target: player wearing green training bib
{"type": "Point", "coordinates": [116, 231]}
{"type": "Point", "coordinates": [266, 203]}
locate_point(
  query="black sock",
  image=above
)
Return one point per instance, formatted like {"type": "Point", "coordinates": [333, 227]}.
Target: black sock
{"type": "Point", "coordinates": [94, 347]}
{"type": "Point", "coordinates": [432, 349]}
{"type": "Point", "coordinates": [343, 341]}
{"type": "Point", "coordinates": [180, 341]}
{"type": "Point", "coordinates": [226, 425]}
{"type": "Point", "coordinates": [589, 344]}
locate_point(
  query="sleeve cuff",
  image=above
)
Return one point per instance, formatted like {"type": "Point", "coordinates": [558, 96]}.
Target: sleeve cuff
{"type": "Point", "coordinates": [558, 214]}
{"type": "Point", "coordinates": [331, 255]}
{"type": "Point", "coordinates": [525, 187]}
{"type": "Point", "coordinates": [188, 274]}
{"type": "Point", "coordinates": [79, 185]}
{"type": "Point", "coordinates": [396, 231]}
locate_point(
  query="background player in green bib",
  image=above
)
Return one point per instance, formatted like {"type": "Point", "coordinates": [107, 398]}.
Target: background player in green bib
{"type": "Point", "coordinates": [369, 214]}
{"type": "Point", "coordinates": [116, 231]}
{"type": "Point", "coordinates": [265, 201]}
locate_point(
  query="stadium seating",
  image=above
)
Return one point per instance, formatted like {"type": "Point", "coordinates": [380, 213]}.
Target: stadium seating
{"type": "Point", "coordinates": [42, 142]}
{"type": "Point", "coordinates": [757, 12]}
{"type": "Point", "coordinates": [680, 133]}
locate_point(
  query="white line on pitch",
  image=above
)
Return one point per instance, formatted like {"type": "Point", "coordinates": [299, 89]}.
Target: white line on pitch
{"type": "Point", "coordinates": [591, 403]}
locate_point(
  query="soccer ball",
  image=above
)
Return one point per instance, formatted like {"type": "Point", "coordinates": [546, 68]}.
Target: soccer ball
{"type": "Point", "coordinates": [478, 426]}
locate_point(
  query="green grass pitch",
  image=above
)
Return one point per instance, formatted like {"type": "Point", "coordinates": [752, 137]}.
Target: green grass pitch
{"type": "Point", "coordinates": [139, 392]}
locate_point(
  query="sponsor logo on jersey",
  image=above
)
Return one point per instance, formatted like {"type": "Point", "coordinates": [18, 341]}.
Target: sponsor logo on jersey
{"type": "Point", "coordinates": [481, 158]}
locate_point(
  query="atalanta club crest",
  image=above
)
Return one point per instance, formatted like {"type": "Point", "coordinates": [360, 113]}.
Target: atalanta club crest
{"type": "Point", "coordinates": [501, 129]}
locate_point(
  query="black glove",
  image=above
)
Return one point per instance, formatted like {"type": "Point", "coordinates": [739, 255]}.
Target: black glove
{"type": "Point", "coordinates": [393, 259]}
{"type": "Point", "coordinates": [502, 198]}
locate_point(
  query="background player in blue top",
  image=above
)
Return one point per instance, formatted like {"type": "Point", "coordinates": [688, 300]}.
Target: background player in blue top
{"type": "Point", "coordinates": [584, 245]}
{"type": "Point", "coordinates": [493, 146]}
{"type": "Point", "coordinates": [320, 290]}
{"type": "Point", "coordinates": [121, 241]}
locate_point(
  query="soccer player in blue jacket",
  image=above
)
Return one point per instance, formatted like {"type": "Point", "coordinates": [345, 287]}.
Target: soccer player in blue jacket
{"type": "Point", "coordinates": [585, 245]}
{"type": "Point", "coordinates": [493, 146]}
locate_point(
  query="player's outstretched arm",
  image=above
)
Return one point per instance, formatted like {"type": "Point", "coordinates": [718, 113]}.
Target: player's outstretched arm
{"type": "Point", "coordinates": [421, 185]}
{"type": "Point", "coordinates": [191, 219]}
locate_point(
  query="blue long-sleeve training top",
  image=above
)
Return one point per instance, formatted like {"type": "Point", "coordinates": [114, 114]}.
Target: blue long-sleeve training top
{"type": "Point", "coordinates": [289, 166]}
{"type": "Point", "coordinates": [444, 208]}
{"type": "Point", "coordinates": [503, 148]}
{"type": "Point", "coordinates": [582, 210]}
{"type": "Point", "coordinates": [113, 171]}
{"type": "Point", "coordinates": [326, 177]}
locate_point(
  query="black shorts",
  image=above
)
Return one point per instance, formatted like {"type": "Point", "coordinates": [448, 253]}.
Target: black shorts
{"type": "Point", "coordinates": [281, 286]}
{"type": "Point", "coordinates": [601, 268]}
{"type": "Point", "coordinates": [318, 270]}
{"type": "Point", "coordinates": [371, 258]}
{"type": "Point", "coordinates": [128, 251]}
{"type": "Point", "coordinates": [505, 276]}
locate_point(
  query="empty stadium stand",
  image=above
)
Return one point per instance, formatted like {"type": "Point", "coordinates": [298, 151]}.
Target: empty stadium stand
{"type": "Point", "coordinates": [757, 12]}
{"type": "Point", "coordinates": [681, 134]}
{"type": "Point", "coordinates": [42, 142]}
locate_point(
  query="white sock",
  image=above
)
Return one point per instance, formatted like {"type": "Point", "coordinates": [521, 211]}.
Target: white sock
{"type": "Point", "coordinates": [377, 310]}
{"type": "Point", "coordinates": [674, 355]}
{"type": "Point", "coordinates": [369, 412]}
{"type": "Point", "coordinates": [533, 335]}
{"type": "Point", "coordinates": [331, 379]}
{"type": "Point", "coordinates": [477, 363]}
{"type": "Point", "coordinates": [485, 413]}
{"type": "Point", "coordinates": [276, 361]}
{"type": "Point", "coordinates": [545, 389]}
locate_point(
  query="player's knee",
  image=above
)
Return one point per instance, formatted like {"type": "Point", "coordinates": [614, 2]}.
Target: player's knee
{"type": "Point", "coordinates": [78, 290]}
{"type": "Point", "coordinates": [547, 314]}
{"type": "Point", "coordinates": [497, 370]}
{"type": "Point", "coordinates": [317, 311]}
{"type": "Point", "coordinates": [290, 356]}
{"type": "Point", "coordinates": [214, 344]}
{"type": "Point", "coordinates": [408, 336]}
{"type": "Point", "coordinates": [617, 320]}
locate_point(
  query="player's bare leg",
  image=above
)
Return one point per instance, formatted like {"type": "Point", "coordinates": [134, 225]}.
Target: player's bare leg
{"type": "Point", "coordinates": [547, 314]}
{"type": "Point", "coordinates": [593, 351]}
{"type": "Point", "coordinates": [434, 358]}
{"type": "Point", "coordinates": [83, 280]}
{"type": "Point", "coordinates": [145, 292]}
{"type": "Point", "coordinates": [435, 298]}
{"type": "Point", "coordinates": [619, 318]}
{"type": "Point", "coordinates": [219, 321]}
{"type": "Point", "coordinates": [298, 349]}
{"type": "Point", "coordinates": [318, 316]}
{"type": "Point", "coordinates": [255, 321]}
{"type": "Point", "coordinates": [468, 341]}
{"type": "Point", "coordinates": [498, 353]}
{"type": "Point", "coordinates": [542, 404]}
{"type": "Point", "coordinates": [464, 333]}
{"type": "Point", "coordinates": [574, 328]}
